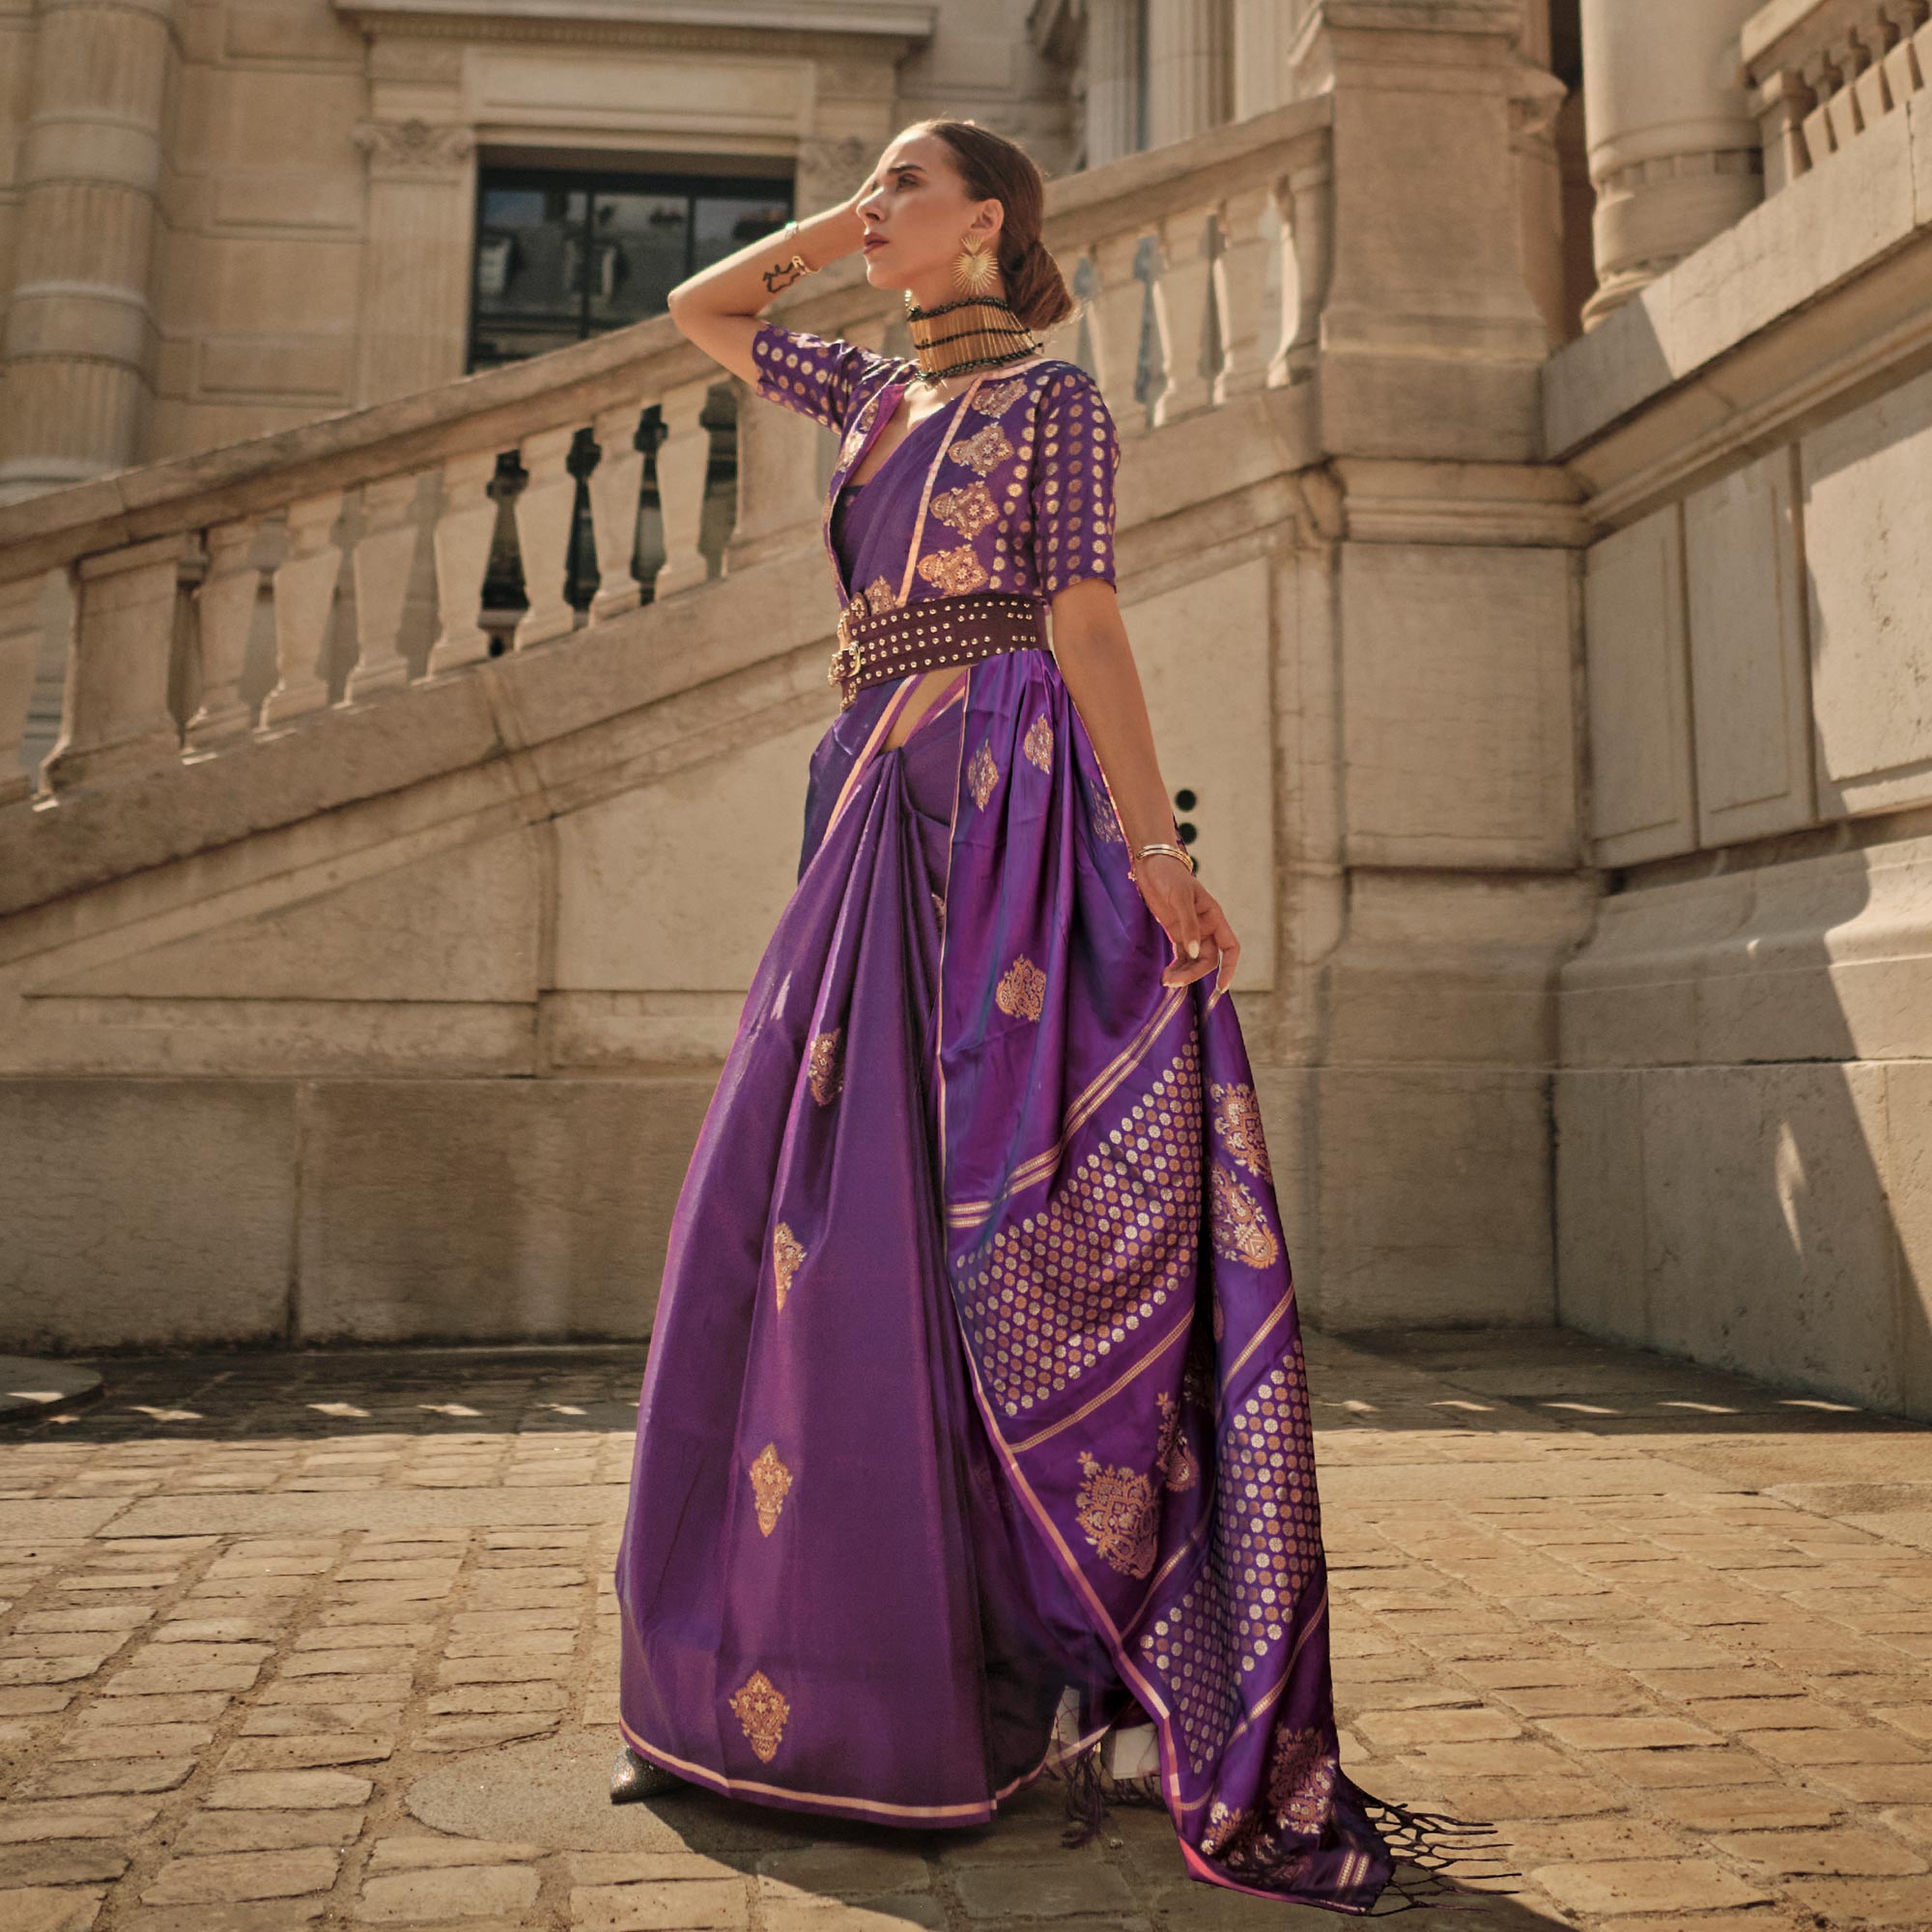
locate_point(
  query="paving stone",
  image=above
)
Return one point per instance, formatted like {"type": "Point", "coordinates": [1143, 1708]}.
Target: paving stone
{"type": "Point", "coordinates": [1008, 1891]}
{"type": "Point", "coordinates": [134, 1740]}
{"type": "Point", "coordinates": [29, 1824]}
{"type": "Point", "coordinates": [1865, 1901]}
{"type": "Point", "coordinates": [692, 1905]}
{"type": "Point", "coordinates": [1629, 1733]}
{"type": "Point", "coordinates": [223, 1876]}
{"type": "Point", "coordinates": [307, 1751]}
{"type": "Point", "coordinates": [1725, 1808]}
{"type": "Point", "coordinates": [448, 1893]}
{"type": "Point", "coordinates": [843, 1870]}
{"type": "Point", "coordinates": [66, 1862]}
{"type": "Point", "coordinates": [1846, 1851]}
{"type": "Point", "coordinates": [108, 1774]}
{"type": "Point", "coordinates": [35, 1908]}
{"type": "Point", "coordinates": [1623, 1886]}
{"type": "Point", "coordinates": [414, 1852]}
{"type": "Point", "coordinates": [266, 1915]}
{"type": "Point", "coordinates": [267, 1830]}
{"type": "Point", "coordinates": [277, 1790]}
{"type": "Point", "coordinates": [891, 1914]}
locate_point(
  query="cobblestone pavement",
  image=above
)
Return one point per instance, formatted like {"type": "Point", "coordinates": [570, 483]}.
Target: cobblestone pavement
{"type": "Point", "coordinates": [329, 1639]}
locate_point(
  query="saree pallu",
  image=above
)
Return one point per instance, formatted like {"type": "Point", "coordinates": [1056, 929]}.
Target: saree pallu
{"type": "Point", "coordinates": [977, 1390]}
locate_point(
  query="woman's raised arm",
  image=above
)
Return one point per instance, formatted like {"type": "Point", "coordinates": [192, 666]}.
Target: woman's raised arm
{"type": "Point", "coordinates": [718, 308]}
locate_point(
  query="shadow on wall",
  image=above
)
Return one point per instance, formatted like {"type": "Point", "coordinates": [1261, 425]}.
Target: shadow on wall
{"type": "Point", "coordinates": [1745, 1095]}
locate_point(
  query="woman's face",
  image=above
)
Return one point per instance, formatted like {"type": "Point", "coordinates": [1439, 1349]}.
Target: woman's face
{"type": "Point", "coordinates": [916, 212]}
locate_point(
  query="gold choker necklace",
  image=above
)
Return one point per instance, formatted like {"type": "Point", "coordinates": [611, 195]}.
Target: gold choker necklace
{"type": "Point", "coordinates": [976, 333]}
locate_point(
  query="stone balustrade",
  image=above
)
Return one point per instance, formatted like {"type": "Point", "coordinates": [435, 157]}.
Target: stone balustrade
{"type": "Point", "coordinates": [1825, 71]}
{"type": "Point", "coordinates": [1215, 248]}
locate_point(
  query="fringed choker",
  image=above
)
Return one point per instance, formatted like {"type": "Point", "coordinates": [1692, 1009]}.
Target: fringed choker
{"type": "Point", "coordinates": [974, 333]}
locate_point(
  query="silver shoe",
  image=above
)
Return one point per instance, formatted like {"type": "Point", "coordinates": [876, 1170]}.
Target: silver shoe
{"type": "Point", "coordinates": [633, 1777]}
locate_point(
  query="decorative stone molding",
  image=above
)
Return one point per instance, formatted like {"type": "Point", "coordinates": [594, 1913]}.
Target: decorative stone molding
{"type": "Point", "coordinates": [415, 149]}
{"type": "Point", "coordinates": [716, 27]}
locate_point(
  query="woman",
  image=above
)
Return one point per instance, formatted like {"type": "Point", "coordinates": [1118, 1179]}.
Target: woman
{"type": "Point", "coordinates": [975, 1430]}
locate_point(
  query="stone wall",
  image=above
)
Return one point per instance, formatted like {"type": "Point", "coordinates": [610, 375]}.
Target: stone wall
{"type": "Point", "coordinates": [1744, 1143]}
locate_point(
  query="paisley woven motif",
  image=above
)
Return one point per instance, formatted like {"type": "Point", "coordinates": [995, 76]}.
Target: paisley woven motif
{"type": "Point", "coordinates": [1241, 1233]}
{"type": "Point", "coordinates": [786, 1254]}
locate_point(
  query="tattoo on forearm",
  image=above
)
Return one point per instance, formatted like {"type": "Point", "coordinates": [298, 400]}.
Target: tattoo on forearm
{"type": "Point", "coordinates": [783, 275]}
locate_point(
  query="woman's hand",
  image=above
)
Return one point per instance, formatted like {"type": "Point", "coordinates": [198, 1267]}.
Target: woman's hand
{"type": "Point", "coordinates": [1191, 917]}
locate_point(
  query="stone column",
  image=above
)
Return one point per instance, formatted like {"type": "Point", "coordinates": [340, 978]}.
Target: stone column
{"type": "Point", "coordinates": [1258, 60]}
{"type": "Point", "coordinates": [416, 269]}
{"type": "Point", "coordinates": [1187, 59]}
{"type": "Point", "coordinates": [1113, 80]}
{"type": "Point", "coordinates": [81, 339]}
{"type": "Point", "coordinates": [1674, 149]}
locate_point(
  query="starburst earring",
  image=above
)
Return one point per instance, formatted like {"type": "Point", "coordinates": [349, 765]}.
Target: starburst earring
{"type": "Point", "coordinates": [973, 269]}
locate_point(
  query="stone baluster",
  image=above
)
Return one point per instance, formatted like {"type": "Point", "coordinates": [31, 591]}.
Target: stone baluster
{"type": "Point", "coordinates": [383, 565]}
{"type": "Point", "coordinates": [1114, 321]}
{"type": "Point", "coordinates": [617, 486]}
{"type": "Point", "coordinates": [683, 465]}
{"type": "Point", "coordinates": [304, 592]}
{"type": "Point", "coordinates": [115, 717]}
{"type": "Point", "coordinates": [1248, 221]}
{"type": "Point", "coordinates": [1180, 293]}
{"type": "Point", "coordinates": [777, 481]}
{"type": "Point", "coordinates": [1305, 203]}
{"type": "Point", "coordinates": [22, 624]}
{"type": "Point", "coordinates": [465, 527]}
{"type": "Point", "coordinates": [226, 601]}
{"type": "Point", "coordinates": [546, 509]}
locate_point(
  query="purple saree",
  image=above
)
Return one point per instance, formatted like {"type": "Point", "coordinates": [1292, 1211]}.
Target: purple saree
{"type": "Point", "coordinates": [976, 1387]}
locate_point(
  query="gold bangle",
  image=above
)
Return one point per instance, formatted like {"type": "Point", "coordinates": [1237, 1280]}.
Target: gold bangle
{"type": "Point", "coordinates": [1146, 851]}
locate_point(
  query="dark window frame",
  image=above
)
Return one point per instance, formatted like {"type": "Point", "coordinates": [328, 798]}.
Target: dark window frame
{"type": "Point", "coordinates": [592, 180]}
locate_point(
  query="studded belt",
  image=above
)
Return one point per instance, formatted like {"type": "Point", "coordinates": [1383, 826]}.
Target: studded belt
{"type": "Point", "coordinates": [929, 633]}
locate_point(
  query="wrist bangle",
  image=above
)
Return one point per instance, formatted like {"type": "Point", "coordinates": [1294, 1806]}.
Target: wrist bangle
{"type": "Point", "coordinates": [1160, 846]}
{"type": "Point", "coordinates": [789, 232]}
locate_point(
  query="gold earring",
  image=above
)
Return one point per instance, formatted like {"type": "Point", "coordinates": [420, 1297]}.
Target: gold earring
{"type": "Point", "coordinates": [974, 270]}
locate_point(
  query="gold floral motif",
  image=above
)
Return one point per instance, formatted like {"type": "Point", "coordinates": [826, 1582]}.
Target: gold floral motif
{"type": "Point", "coordinates": [1222, 1829]}
{"type": "Point", "coordinates": [969, 510]}
{"type": "Point", "coordinates": [954, 571]}
{"type": "Point", "coordinates": [880, 595]}
{"type": "Point", "coordinates": [762, 1709]}
{"type": "Point", "coordinates": [1119, 1516]}
{"type": "Point", "coordinates": [1172, 1457]}
{"type": "Point", "coordinates": [1040, 742]}
{"type": "Point", "coordinates": [857, 610]}
{"type": "Point", "coordinates": [1301, 1782]}
{"type": "Point", "coordinates": [786, 1254]}
{"type": "Point", "coordinates": [1050, 1296]}
{"type": "Point", "coordinates": [825, 1068]}
{"type": "Point", "coordinates": [982, 451]}
{"type": "Point", "coordinates": [1106, 821]}
{"type": "Point", "coordinates": [982, 774]}
{"type": "Point", "coordinates": [1238, 1119]}
{"type": "Point", "coordinates": [771, 1483]}
{"type": "Point", "coordinates": [995, 401]}
{"type": "Point", "coordinates": [939, 908]}
{"type": "Point", "coordinates": [1022, 990]}
{"type": "Point", "coordinates": [1241, 1233]}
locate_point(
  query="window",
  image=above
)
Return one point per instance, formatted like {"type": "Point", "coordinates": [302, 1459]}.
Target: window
{"type": "Point", "coordinates": [566, 253]}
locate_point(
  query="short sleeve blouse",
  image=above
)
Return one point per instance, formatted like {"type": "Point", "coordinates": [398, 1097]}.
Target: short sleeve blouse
{"type": "Point", "coordinates": [1022, 501]}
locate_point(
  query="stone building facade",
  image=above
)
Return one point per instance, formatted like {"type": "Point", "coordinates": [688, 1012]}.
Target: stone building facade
{"type": "Point", "coordinates": [1524, 443]}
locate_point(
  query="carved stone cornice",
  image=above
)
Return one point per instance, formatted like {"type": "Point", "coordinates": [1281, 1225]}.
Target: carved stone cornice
{"type": "Point", "coordinates": [415, 149]}
{"type": "Point", "coordinates": [886, 28]}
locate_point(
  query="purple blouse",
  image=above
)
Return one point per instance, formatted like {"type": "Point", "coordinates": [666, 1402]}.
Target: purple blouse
{"type": "Point", "coordinates": [1007, 487]}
